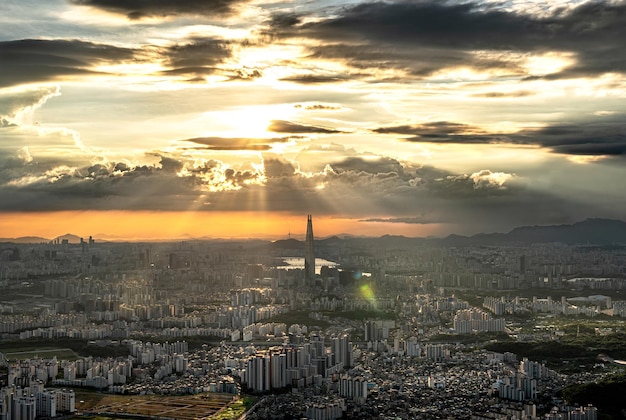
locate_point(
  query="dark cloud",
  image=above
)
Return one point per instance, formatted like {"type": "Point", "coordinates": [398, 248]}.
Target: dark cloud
{"type": "Point", "coordinates": [34, 186]}
{"type": "Point", "coordinates": [361, 187]}
{"type": "Point", "coordinates": [600, 137]}
{"type": "Point", "coordinates": [375, 165]}
{"type": "Point", "coordinates": [431, 129]}
{"type": "Point", "coordinates": [423, 37]}
{"type": "Point", "coordinates": [235, 177]}
{"type": "Point", "coordinates": [597, 138]}
{"type": "Point", "coordinates": [284, 20]}
{"type": "Point", "coordinates": [36, 60]}
{"type": "Point", "coordinates": [245, 74]}
{"type": "Point", "coordinates": [277, 167]}
{"type": "Point", "coordinates": [369, 58]}
{"type": "Point", "coordinates": [445, 132]}
{"type": "Point", "coordinates": [589, 148]}
{"type": "Point", "coordinates": [226, 143]}
{"type": "Point", "coordinates": [315, 79]}
{"type": "Point", "coordinates": [6, 123]}
{"type": "Point", "coordinates": [280, 126]}
{"type": "Point", "coordinates": [138, 9]}
{"type": "Point", "coordinates": [429, 23]}
{"type": "Point", "coordinates": [171, 165]}
{"type": "Point", "coordinates": [197, 57]}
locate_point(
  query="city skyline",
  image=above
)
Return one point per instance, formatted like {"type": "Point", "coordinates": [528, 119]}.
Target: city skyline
{"type": "Point", "coordinates": [234, 119]}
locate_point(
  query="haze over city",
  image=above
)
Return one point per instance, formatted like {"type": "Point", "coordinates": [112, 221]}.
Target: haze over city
{"type": "Point", "coordinates": [163, 120]}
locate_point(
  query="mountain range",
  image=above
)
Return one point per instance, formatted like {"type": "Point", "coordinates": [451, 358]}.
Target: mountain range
{"type": "Point", "coordinates": [599, 232]}
{"type": "Point", "coordinates": [73, 239]}
{"type": "Point", "coordinates": [590, 231]}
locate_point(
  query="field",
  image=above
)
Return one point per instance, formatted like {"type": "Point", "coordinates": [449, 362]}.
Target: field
{"type": "Point", "coordinates": [188, 407]}
{"type": "Point", "coordinates": [42, 353]}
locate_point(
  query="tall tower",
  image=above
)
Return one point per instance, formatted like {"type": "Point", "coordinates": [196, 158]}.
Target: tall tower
{"type": "Point", "coordinates": [309, 253]}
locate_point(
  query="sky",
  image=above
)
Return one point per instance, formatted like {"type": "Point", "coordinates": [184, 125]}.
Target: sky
{"type": "Point", "coordinates": [166, 119]}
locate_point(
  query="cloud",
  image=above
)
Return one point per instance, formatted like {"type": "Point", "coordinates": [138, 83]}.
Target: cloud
{"type": "Point", "coordinates": [361, 188]}
{"type": "Point", "coordinates": [170, 165]}
{"type": "Point", "coordinates": [315, 79]}
{"type": "Point", "coordinates": [277, 166]}
{"type": "Point", "coordinates": [282, 20]}
{"type": "Point", "coordinates": [421, 38]}
{"type": "Point", "coordinates": [24, 154]}
{"type": "Point", "coordinates": [318, 107]}
{"type": "Point", "coordinates": [482, 184]}
{"type": "Point", "coordinates": [603, 136]}
{"type": "Point", "coordinates": [197, 56]}
{"type": "Point", "coordinates": [245, 74]}
{"type": "Point", "coordinates": [236, 143]}
{"type": "Point", "coordinates": [445, 132]}
{"type": "Point", "coordinates": [173, 183]}
{"type": "Point", "coordinates": [375, 165]}
{"type": "Point", "coordinates": [37, 60]}
{"type": "Point", "coordinates": [138, 9]}
{"type": "Point", "coordinates": [6, 123]}
{"type": "Point", "coordinates": [280, 126]}
{"type": "Point", "coordinates": [515, 94]}
{"type": "Point", "coordinates": [600, 137]}
{"type": "Point", "coordinates": [18, 106]}
{"type": "Point", "coordinates": [486, 179]}
{"type": "Point", "coordinates": [435, 129]}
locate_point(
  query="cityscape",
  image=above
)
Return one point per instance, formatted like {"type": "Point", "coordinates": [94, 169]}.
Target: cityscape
{"type": "Point", "coordinates": [387, 328]}
{"type": "Point", "coordinates": [312, 209]}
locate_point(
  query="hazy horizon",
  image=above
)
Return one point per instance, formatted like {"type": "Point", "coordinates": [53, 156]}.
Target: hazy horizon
{"type": "Point", "coordinates": [296, 235]}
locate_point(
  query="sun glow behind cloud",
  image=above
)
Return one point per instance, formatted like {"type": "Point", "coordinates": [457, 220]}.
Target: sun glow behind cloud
{"type": "Point", "coordinates": [246, 121]}
{"type": "Point", "coordinates": [548, 63]}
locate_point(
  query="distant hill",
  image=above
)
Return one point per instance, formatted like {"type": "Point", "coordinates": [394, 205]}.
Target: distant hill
{"type": "Point", "coordinates": [73, 239]}
{"type": "Point", "coordinates": [287, 244]}
{"type": "Point", "coordinates": [590, 231]}
{"type": "Point", "coordinates": [25, 240]}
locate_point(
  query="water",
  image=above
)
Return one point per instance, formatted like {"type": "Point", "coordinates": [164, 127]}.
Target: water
{"type": "Point", "coordinates": [290, 263]}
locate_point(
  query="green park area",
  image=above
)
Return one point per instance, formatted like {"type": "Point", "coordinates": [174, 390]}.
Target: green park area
{"type": "Point", "coordinates": [299, 317]}
{"type": "Point", "coordinates": [303, 318]}
{"type": "Point", "coordinates": [607, 395]}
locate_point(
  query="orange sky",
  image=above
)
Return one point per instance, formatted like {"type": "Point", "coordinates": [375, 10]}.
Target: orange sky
{"type": "Point", "coordinates": [146, 225]}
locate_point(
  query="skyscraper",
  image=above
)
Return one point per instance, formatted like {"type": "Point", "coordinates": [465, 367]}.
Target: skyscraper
{"type": "Point", "coordinates": [309, 253]}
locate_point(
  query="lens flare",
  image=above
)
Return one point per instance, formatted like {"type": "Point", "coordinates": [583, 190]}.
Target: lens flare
{"type": "Point", "coordinates": [368, 294]}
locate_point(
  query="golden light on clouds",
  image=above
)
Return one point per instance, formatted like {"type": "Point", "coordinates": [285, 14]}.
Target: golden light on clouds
{"type": "Point", "coordinates": [549, 63]}
{"type": "Point", "coordinates": [246, 121]}
{"type": "Point", "coordinates": [130, 69]}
